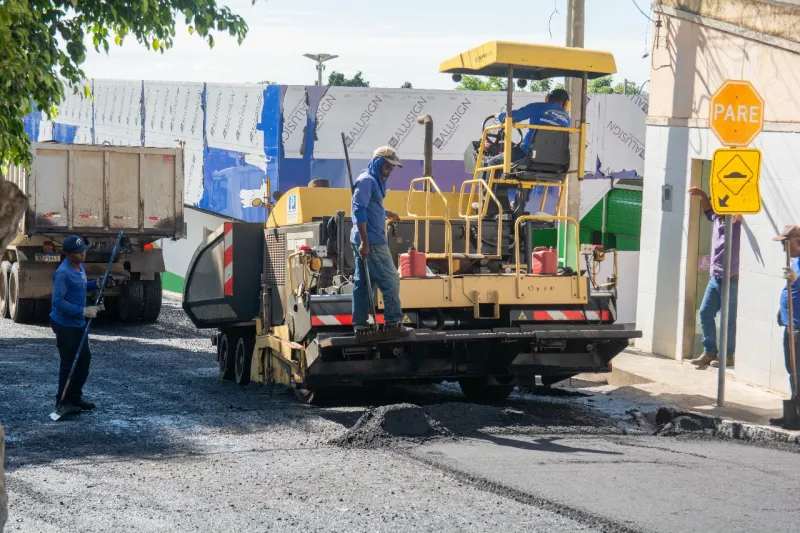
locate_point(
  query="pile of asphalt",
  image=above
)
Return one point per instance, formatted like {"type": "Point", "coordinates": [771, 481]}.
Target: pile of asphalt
{"type": "Point", "coordinates": [669, 422]}
{"type": "Point", "coordinates": [391, 425]}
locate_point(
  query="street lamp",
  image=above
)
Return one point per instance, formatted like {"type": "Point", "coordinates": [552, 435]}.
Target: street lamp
{"type": "Point", "coordinates": [320, 59]}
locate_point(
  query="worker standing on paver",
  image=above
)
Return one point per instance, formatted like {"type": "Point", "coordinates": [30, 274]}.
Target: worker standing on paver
{"type": "Point", "coordinates": [368, 239]}
{"type": "Point", "coordinates": [791, 237]}
{"type": "Point", "coordinates": [68, 319]}
{"type": "Point", "coordinates": [712, 300]}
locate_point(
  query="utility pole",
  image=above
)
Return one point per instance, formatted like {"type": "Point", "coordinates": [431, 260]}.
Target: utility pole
{"type": "Point", "coordinates": [575, 27]}
{"type": "Point", "coordinates": [320, 59]}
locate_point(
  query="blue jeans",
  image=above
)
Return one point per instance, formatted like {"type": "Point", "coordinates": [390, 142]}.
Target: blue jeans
{"type": "Point", "coordinates": [499, 159]}
{"type": "Point", "coordinates": [712, 303]}
{"type": "Point", "coordinates": [382, 273]}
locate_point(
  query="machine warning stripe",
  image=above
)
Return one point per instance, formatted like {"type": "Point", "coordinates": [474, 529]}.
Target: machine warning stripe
{"type": "Point", "coordinates": [228, 260]}
{"type": "Point", "coordinates": [337, 320]}
{"type": "Point", "coordinates": [559, 316]}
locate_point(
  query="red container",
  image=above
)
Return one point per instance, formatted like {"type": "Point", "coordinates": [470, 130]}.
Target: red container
{"type": "Point", "coordinates": [413, 264]}
{"type": "Point", "coordinates": [545, 261]}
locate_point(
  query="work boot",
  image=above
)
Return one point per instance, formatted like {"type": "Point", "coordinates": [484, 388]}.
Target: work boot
{"type": "Point", "coordinates": [84, 405]}
{"type": "Point", "coordinates": [68, 408]}
{"type": "Point", "coordinates": [704, 360]}
{"type": "Point", "coordinates": [776, 421]}
{"type": "Point", "coordinates": [729, 364]}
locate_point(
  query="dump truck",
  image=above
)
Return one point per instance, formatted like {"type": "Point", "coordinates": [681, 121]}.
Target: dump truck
{"type": "Point", "coordinates": [279, 295]}
{"type": "Point", "coordinates": [93, 191]}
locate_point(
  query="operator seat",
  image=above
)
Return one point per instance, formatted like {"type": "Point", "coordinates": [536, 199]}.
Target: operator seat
{"type": "Point", "coordinates": [547, 160]}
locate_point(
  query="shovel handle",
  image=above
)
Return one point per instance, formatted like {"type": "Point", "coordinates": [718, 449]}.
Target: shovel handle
{"type": "Point", "coordinates": [790, 325]}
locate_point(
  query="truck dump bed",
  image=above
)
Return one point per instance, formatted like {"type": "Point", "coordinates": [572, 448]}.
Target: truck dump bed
{"type": "Point", "coordinates": [95, 190]}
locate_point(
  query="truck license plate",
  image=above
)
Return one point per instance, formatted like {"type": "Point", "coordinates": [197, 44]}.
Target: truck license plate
{"type": "Point", "coordinates": [48, 258]}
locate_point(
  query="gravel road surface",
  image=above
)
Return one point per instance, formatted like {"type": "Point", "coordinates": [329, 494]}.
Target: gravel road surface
{"type": "Point", "coordinates": [173, 448]}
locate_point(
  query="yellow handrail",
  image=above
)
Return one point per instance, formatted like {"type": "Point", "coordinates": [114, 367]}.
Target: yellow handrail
{"type": "Point", "coordinates": [291, 270]}
{"type": "Point", "coordinates": [480, 212]}
{"type": "Point", "coordinates": [517, 265]}
{"type": "Point", "coordinates": [427, 217]}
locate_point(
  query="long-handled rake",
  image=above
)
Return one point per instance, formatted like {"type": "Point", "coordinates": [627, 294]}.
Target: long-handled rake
{"type": "Point", "coordinates": [373, 332]}
{"type": "Point", "coordinates": [60, 412]}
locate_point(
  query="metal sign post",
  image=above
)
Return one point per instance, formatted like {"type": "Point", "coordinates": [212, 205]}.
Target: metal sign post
{"type": "Point", "coordinates": [722, 356]}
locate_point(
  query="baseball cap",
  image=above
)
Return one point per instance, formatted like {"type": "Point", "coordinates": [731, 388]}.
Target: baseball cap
{"type": "Point", "coordinates": [389, 154]}
{"type": "Point", "coordinates": [787, 233]}
{"type": "Point", "coordinates": [74, 245]}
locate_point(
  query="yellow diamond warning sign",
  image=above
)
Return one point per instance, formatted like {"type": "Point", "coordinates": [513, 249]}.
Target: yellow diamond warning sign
{"type": "Point", "coordinates": [734, 181]}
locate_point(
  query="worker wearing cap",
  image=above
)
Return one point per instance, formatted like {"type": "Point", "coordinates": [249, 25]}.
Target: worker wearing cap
{"type": "Point", "coordinates": [68, 318]}
{"type": "Point", "coordinates": [368, 239]}
{"type": "Point", "coordinates": [712, 299]}
{"type": "Point", "coordinates": [790, 236]}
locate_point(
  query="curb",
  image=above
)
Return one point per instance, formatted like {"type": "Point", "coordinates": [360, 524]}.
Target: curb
{"type": "Point", "coordinates": [669, 421]}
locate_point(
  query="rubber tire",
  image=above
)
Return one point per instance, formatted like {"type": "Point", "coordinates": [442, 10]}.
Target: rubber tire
{"type": "Point", "coordinates": [479, 391]}
{"type": "Point", "coordinates": [152, 299]}
{"type": "Point", "coordinates": [131, 301]}
{"type": "Point", "coordinates": [226, 356]}
{"type": "Point", "coordinates": [242, 359]}
{"type": "Point", "coordinates": [5, 272]}
{"type": "Point", "coordinates": [42, 310]}
{"type": "Point", "coordinates": [20, 309]}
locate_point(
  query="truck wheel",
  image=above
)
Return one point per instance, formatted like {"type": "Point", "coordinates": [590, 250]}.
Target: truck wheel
{"type": "Point", "coordinates": [131, 301]}
{"type": "Point", "coordinates": [243, 359]}
{"type": "Point", "coordinates": [20, 309]}
{"type": "Point", "coordinates": [482, 390]}
{"type": "Point", "coordinates": [5, 270]}
{"type": "Point", "coordinates": [42, 310]}
{"type": "Point", "coordinates": [227, 345]}
{"type": "Point", "coordinates": [152, 299]}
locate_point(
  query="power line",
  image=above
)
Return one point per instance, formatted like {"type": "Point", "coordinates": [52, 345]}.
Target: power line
{"type": "Point", "coordinates": [555, 12]}
{"type": "Point", "coordinates": [645, 15]}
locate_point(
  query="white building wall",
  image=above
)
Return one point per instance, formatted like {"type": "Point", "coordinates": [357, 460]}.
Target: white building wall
{"type": "Point", "coordinates": [690, 61]}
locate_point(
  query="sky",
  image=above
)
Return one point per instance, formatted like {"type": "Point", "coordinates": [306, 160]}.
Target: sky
{"type": "Point", "coordinates": [390, 43]}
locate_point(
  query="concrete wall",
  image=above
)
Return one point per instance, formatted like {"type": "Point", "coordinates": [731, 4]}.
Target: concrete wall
{"type": "Point", "coordinates": [690, 61]}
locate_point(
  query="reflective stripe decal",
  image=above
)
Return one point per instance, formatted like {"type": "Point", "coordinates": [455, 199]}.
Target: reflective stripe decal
{"type": "Point", "coordinates": [228, 262]}
{"type": "Point", "coordinates": [336, 320]}
{"type": "Point", "coordinates": [560, 316]}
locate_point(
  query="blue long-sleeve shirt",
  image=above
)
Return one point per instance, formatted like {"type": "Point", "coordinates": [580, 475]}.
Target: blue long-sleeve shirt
{"type": "Point", "coordinates": [369, 191]}
{"type": "Point", "coordinates": [69, 295]}
{"type": "Point", "coordinates": [795, 299]}
{"type": "Point", "coordinates": [538, 114]}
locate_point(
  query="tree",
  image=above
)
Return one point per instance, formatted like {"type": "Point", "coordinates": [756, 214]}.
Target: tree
{"type": "Point", "coordinates": [337, 79]}
{"type": "Point", "coordinates": [495, 83]}
{"type": "Point", "coordinates": [477, 83]}
{"type": "Point", "coordinates": [42, 48]}
{"type": "Point", "coordinates": [606, 85]}
{"type": "Point", "coordinates": [406, 85]}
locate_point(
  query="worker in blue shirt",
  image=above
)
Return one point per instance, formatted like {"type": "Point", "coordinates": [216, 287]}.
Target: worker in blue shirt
{"type": "Point", "coordinates": [790, 236]}
{"type": "Point", "coordinates": [368, 239]}
{"type": "Point", "coordinates": [554, 111]}
{"type": "Point", "coordinates": [68, 318]}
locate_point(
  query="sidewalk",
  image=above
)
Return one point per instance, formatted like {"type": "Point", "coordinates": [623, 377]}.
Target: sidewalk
{"type": "Point", "coordinates": [658, 380]}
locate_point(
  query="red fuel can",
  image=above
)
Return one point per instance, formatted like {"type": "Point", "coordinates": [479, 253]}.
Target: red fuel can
{"type": "Point", "coordinates": [544, 261]}
{"type": "Point", "coordinates": [413, 264]}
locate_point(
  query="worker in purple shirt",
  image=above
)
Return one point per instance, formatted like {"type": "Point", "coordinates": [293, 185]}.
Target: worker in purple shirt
{"type": "Point", "coordinates": [712, 300]}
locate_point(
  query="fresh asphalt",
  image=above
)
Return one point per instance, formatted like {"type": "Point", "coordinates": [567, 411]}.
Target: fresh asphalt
{"type": "Point", "coordinates": [172, 448]}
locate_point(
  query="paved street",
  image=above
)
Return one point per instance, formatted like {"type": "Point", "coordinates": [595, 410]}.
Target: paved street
{"type": "Point", "coordinates": [173, 448]}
